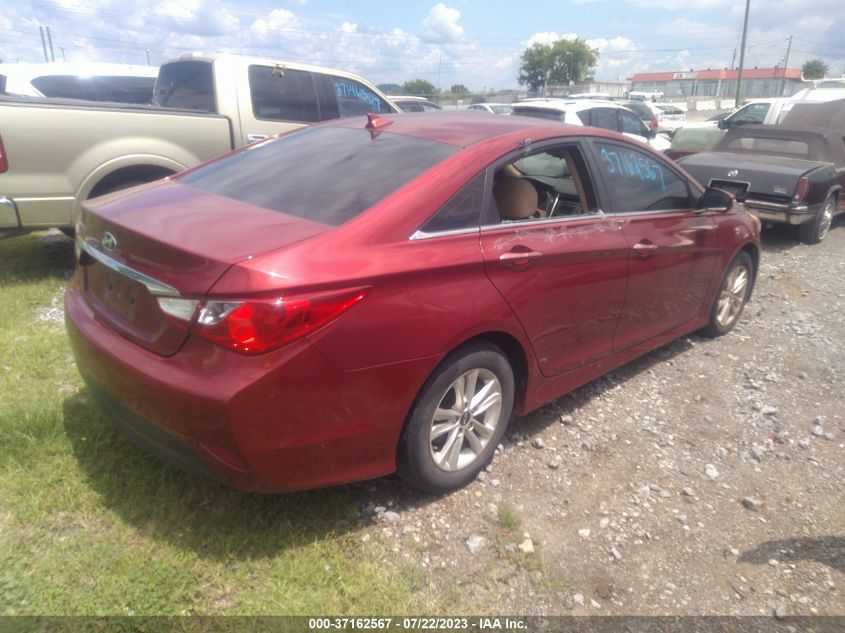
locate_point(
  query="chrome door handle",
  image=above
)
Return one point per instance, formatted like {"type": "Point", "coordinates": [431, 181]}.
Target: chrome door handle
{"type": "Point", "coordinates": [518, 259]}
{"type": "Point", "coordinates": [644, 249]}
{"type": "Point", "coordinates": [251, 138]}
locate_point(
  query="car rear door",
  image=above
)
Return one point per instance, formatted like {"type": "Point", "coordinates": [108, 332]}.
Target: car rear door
{"type": "Point", "coordinates": [564, 275]}
{"type": "Point", "coordinates": [672, 244]}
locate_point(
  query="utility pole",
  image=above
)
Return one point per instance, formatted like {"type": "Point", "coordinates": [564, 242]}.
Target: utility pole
{"type": "Point", "coordinates": [733, 59]}
{"type": "Point", "coordinates": [43, 43]}
{"type": "Point", "coordinates": [785, 66]}
{"type": "Point", "coordinates": [439, 68]}
{"type": "Point", "coordinates": [50, 42]}
{"type": "Point", "coordinates": [148, 57]}
{"type": "Point", "coordinates": [62, 48]}
{"type": "Point", "coordinates": [742, 55]}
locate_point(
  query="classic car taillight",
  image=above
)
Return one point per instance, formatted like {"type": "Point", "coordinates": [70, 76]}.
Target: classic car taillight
{"type": "Point", "coordinates": [255, 326]}
{"type": "Point", "coordinates": [653, 124]}
{"type": "Point", "coordinates": [801, 190]}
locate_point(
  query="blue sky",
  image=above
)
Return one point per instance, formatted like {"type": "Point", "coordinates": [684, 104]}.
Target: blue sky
{"type": "Point", "coordinates": [471, 42]}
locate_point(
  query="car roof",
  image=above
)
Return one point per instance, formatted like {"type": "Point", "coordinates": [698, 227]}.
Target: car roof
{"type": "Point", "coordinates": [567, 105]}
{"type": "Point", "coordinates": [265, 61]}
{"type": "Point", "coordinates": [825, 144]}
{"type": "Point", "coordinates": [465, 127]}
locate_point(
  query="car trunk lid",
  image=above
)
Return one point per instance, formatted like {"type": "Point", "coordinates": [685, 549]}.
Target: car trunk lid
{"type": "Point", "coordinates": [748, 176]}
{"type": "Point", "coordinates": [169, 240]}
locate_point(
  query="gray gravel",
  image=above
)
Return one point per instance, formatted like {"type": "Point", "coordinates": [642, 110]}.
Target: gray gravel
{"type": "Point", "coordinates": [705, 478]}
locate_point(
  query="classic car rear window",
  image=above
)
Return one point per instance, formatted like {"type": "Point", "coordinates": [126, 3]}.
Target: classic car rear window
{"type": "Point", "coordinates": [324, 174]}
{"type": "Point", "coordinates": [778, 146]}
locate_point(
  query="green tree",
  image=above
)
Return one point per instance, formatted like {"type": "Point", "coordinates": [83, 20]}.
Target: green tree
{"type": "Point", "coordinates": [459, 89]}
{"type": "Point", "coordinates": [419, 87]}
{"type": "Point", "coordinates": [558, 63]}
{"type": "Point", "coordinates": [814, 69]}
{"type": "Point", "coordinates": [390, 89]}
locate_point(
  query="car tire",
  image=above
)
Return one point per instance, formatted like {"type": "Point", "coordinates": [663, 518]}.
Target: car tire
{"type": "Point", "coordinates": [814, 231]}
{"type": "Point", "coordinates": [732, 296]}
{"type": "Point", "coordinates": [447, 439]}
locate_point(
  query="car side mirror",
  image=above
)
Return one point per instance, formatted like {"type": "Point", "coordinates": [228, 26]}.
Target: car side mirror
{"type": "Point", "coordinates": [724, 124]}
{"type": "Point", "coordinates": [716, 200]}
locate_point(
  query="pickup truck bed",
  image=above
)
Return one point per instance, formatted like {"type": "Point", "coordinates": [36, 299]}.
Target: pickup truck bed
{"type": "Point", "coordinates": [52, 177]}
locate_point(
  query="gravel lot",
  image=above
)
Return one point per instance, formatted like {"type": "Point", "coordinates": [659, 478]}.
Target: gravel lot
{"type": "Point", "coordinates": [704, 478]}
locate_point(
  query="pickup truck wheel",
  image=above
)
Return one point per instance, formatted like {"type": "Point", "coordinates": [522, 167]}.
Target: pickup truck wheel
{"type": "Point", "coordinates": [732, 296]}
{"type": "Point", "coordinates": [459, 417]}
{"type": "Point", "coordinates": [814, 232]}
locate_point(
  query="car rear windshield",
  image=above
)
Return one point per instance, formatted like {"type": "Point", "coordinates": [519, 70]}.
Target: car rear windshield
{"type": "Point", "coordinates": [669, 109]}
{"type": "Point", "coordinates": [540, 113]}
{"type": "Point", "coordinates": [324, 174]}
{"type": "Point", "coordinates": [776, 146]}
{"type": "Point", "coordinates": [188, 85]}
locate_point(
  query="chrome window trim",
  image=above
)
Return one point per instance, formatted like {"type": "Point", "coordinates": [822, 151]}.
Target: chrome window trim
{"type": "Point", "coordinates": [422, 235]}
{"type": "Point", "coordinates": [530, 223]}
{"type": "Point", "coordinates": [154, 286]}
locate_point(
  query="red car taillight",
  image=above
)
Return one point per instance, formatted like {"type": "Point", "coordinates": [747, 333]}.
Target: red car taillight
{"type": "Point", "coordinates": [653, 124]}
{"type": "Point", "coordinates": [256, 326]}
{"type": "Point", "coordinates": [801, 190]}
{"type": "Point", "coordinates": [4, 162]}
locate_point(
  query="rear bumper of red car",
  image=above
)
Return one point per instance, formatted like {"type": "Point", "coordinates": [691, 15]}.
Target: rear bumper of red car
{"type": "Point", "coordinates": [286, 420]}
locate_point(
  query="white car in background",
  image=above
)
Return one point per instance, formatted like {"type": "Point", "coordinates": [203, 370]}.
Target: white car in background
{"type": "Point", "coordinates": [492, 108]}
{"type": "Point", "coordinates": [604, 114]}
{"type": "Point", "coordinates": [91, 81]}
{"type": "Point", "coordinates": [414, 104]}
{"type": "Point", "coordinates": [670, 117]}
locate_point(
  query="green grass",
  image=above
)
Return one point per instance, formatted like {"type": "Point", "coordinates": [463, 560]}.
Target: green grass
{"type": "Point", "coordinates": [508, 517]}
{"type": "Point", "coordinates": [89, 525]}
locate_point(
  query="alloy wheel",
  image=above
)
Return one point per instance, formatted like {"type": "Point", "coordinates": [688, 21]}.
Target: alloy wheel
{"type": "Point", "coordinates": [465, 419]}
{"type": "Point", "coordinates": [732, 296]}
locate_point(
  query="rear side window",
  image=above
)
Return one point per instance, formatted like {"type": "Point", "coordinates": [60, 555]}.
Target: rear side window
{"type": "Point", "coordinates": [631, 123]}
{"type": "Point", "coordinates": [604, 118]}
{"type": "Point", "coordinates": [324, 174]}
{"type": "Point", "coordinates": [462, 211]}
{"type": "Point", "coordinates": [187, 85]}
{"type": "Point", "coordinates": [283, 94]}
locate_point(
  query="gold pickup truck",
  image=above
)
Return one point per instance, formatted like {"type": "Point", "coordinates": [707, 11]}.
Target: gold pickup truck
{"type": "Point", "coordinates": [56, 153]}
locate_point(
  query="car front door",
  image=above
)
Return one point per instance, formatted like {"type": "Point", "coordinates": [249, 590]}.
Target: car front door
{"type": "Point", "coordinates": [556, 259]}
{"type": "Point", "coordinates": [672, 244]}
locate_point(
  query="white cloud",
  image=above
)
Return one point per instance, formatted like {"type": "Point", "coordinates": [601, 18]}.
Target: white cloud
{"type": "Point", "coordinates": [442, 23]}
{"type": "Point", "coordinates": [178, 9]}
{"type": "Point", "coordinates": [278, 21]}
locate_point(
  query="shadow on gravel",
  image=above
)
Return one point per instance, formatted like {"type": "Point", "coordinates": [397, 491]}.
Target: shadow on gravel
{"type": "Point", "coordinates": [828, 550]}
{"type": "Point", "coordinates": [35, 257]}
{"type": "Point", "coordinates": [780, 238]}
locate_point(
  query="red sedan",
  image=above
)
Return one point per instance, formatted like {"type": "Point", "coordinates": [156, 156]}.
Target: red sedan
{"type": "Point", "coordinates": [383, 293]}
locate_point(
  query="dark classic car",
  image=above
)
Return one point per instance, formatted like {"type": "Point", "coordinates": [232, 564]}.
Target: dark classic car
{"type": "Point", "coordinates": [783, 174]}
